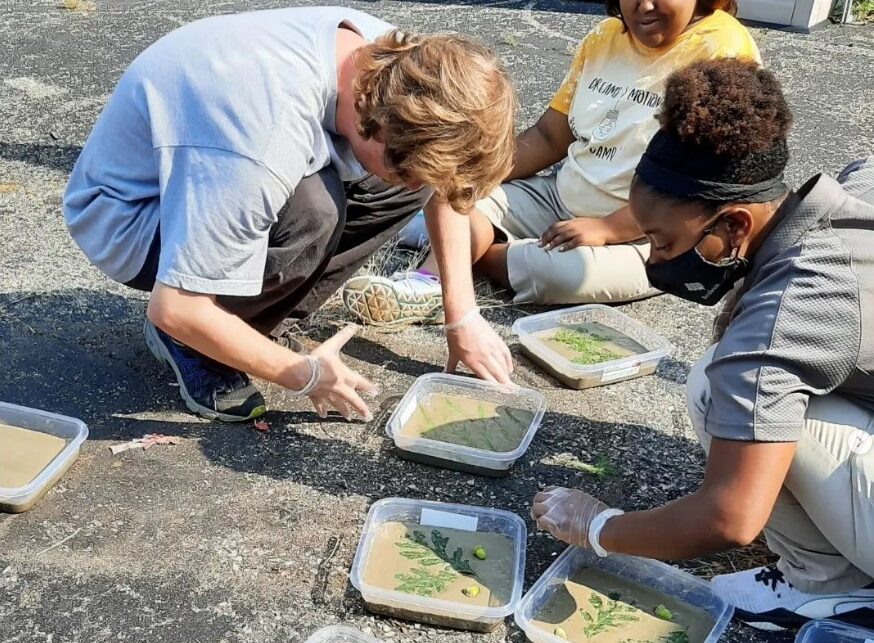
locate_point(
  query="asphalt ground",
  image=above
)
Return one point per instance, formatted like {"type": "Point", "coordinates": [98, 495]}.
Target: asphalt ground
{"type": "Point", "coordinates": [235, 535]}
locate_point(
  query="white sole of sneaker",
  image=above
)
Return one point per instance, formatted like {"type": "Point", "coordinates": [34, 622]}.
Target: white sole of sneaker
{"type": "Point", "coordinates": [765, 626]}
{"type": "Point", "coordinates": [156, 346]}
{"type": "Point", "coordinates": [376, 303]}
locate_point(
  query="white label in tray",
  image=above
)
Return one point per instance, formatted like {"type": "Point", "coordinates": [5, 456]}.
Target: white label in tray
{"type": "Point", "coordinates": [869, 640]}
{"type": "Point", "coordinates": [434, 518]}
{"type": "Point", "coordinates": [618, 374]}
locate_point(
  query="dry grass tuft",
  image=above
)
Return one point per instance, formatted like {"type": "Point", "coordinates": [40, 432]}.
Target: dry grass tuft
{"type": "Point", "coordinates": [736, 560]}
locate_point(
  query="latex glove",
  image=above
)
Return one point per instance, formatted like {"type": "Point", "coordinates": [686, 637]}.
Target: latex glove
{"type": "Point", "coordinates": [582, 231]}
{"type": "Point", "coordinates": [338, 385]}
{"type": "Point", "coordinates": [566, 514]}
{"type": "Point", "coordinates": [473, 342]}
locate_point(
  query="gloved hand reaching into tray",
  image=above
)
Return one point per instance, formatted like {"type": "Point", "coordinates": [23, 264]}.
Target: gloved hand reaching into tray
{"type": "Point", "coordinates": [572, 516]}
{"type": "Point", "coordinates": [475, 343]}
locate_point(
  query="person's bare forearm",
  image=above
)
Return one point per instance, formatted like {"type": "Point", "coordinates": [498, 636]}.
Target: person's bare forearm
{"type": "Point", "coordinates": [198, 321]}
{"type": "Point", "coordinates": [542, 145]}
{"type": "Point", "coordinates": [654, 533]}
{"type": "Point", "coordinates": [622, 227]}
{"type": "Point", "coordinates": [534, 152]}
{"type": "Point", "coordinates": [449, 233]}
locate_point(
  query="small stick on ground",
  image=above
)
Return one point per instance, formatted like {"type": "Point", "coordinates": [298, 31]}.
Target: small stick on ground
{"type": "Point", "coordinates": [60, 542]}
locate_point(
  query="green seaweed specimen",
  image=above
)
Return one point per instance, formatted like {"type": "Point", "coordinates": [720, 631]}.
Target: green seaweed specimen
{"type": "Point", "coordinates": [412, 550]}
{"type": "Point", "coordinates": [609, 615]}
{"type": "Point", "coordinates": [453, 406]}
{"type": "Point", "coordinates": [602, 467]}
{"type": "Point", "coordinates": [589, 346]}
{"type": "Point", "coordinates": [437, 547]}
{"type": "Point", "coordinates": [423, 583]}
{"type": "Point", "coordinates": [421, 580]}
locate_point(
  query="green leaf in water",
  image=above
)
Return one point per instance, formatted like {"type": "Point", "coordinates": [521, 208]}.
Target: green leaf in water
{"type": "Point", "coordinates": [423, 583]}
{"type": "Point", "coordinates": [609, 615]}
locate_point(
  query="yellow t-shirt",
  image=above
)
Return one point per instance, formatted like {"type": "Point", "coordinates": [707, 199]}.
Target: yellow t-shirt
{"type": "Point", "coordinates": [612, 94]}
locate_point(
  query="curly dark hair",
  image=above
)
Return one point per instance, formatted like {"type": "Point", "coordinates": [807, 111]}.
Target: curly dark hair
{"type": "Point", "coordinates": [724, 121]}
{"type": "Point", "coordinates": [703, 8]}
{"type": "Point", "coordinates": [734, 111]}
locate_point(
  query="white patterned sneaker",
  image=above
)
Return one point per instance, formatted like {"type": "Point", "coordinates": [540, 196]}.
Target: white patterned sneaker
{"type": "Point", "coordinates": [403, 298]}
{"type": "Point", "coordinates": [764, 599]}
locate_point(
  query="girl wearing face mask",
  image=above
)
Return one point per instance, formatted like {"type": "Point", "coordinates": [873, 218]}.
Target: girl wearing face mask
{"type": "Point", "coordinates": [784, 402]}
{"type": "Point", "coordinates": [568, 237]}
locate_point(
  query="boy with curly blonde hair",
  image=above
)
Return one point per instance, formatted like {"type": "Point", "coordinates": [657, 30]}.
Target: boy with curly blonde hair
{"type": "Point", "coordinates": [246, 165]}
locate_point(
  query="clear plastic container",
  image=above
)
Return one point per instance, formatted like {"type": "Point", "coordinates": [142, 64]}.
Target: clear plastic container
{"type": "Point", "coordinates": [340, 634]}
{"type": "Point", "coordinates": [833, 632]}
{"type": "Point", "coordinates": [529, 330]}
{"type": "Point", "coordinates": [454, 456]}
{"type": "Point", "coordinates": [651, 573]}
{"type": "Point", "coordinates": [73, 431]}
{"type": "Point", "coordinates": [435, 611]}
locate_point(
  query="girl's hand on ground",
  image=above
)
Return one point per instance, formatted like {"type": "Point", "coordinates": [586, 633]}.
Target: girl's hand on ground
{"type": "Point", "coordinates": [481, 349]}
{"type": "Point", "coordinates": [566, 514]}
{"type": "Point", "coordinates": [582, 231]}
{"type": "Point", "coordinates": [339, 386]}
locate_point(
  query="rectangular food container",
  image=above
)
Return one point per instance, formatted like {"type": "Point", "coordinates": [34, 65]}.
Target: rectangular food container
{"type": "Point", "coordinates": [581, 376]}
{"type": "Point", "coordinates": [340, 634]}
{"type": "Point", "coordinates": [454, 456]}
{"type": "Point", "coordinates": [833, 632]}
{"type": "Point", "coordinates": [73, 431]}
{"type": "Point", "coordinates": [434, 611]}
{"type": "Point", "coordinates": [651, 573]}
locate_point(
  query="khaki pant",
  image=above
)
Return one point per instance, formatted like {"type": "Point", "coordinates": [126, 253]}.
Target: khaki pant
{"type": "Point", "coordinates": [822, 525]}
{"type": "Point", "coordinates": [523, 210]}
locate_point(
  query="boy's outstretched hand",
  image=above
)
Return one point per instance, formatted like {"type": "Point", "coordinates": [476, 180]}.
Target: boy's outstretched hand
{"type": "Point", "coordinates": [567, 514]}
{"type": "Point", "coordinates": [339, 387]}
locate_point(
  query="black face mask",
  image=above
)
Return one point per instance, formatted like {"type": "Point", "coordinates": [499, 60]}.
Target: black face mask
{"type": "Point", "coordinates": [690, 276]}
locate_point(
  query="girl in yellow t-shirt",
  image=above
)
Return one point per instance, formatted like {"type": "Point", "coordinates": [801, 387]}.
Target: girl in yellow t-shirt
{"type": "Point", "coordinates": [568, 237]}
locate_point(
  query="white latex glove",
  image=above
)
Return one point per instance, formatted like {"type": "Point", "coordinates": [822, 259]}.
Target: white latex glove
{"type": "Point", "coordinates": [566, 514]}
{"type": "Point", "coordinates": [338, 385]}
{"type": "Point", "coordinates": [473, 342]}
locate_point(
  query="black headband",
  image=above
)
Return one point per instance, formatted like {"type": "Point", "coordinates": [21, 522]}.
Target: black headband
{"type": "Point", "coordinates": [666, 151]}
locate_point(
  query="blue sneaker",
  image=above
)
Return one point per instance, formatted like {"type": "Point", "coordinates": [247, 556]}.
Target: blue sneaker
{"type": "Point", "coordinates": [208, 388]}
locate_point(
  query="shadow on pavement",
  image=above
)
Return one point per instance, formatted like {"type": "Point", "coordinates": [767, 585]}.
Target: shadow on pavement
{"type": "Point", "coordinates": [81, 352]}
{"type": "Point", "coordinates": [369, 351]}
{"type": "Point", "coordinates": [358, 459]}
{"type": "Point", "coordinates": [56, 157]}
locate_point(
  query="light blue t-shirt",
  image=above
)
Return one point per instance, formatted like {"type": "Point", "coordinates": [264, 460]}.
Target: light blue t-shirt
{"type": "Point", "coordinates": [207, 134]}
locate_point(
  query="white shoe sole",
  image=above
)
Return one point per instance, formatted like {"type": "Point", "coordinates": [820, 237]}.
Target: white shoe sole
{"type": "Point", "coordinates": [375, 301]}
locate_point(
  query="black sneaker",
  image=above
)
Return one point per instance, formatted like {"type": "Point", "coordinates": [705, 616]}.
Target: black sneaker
{"type": "Point", "coordinates": [208, 388]}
